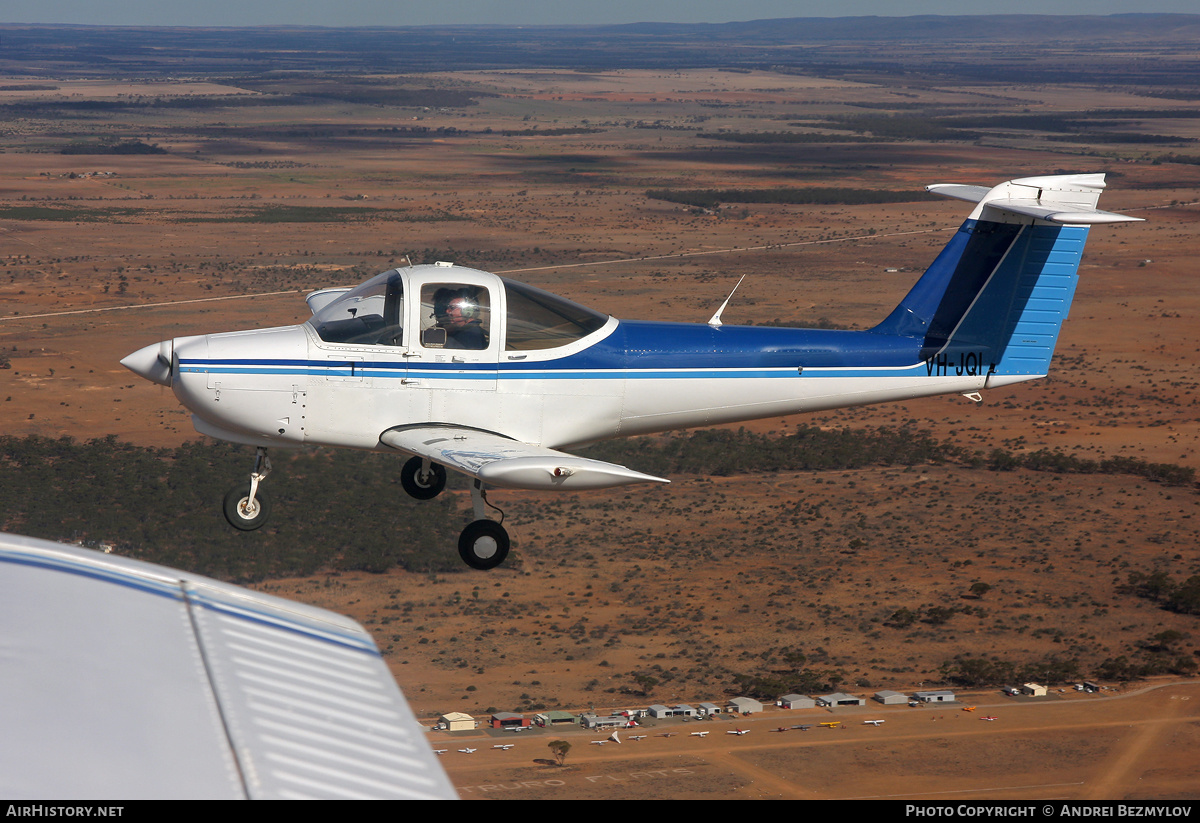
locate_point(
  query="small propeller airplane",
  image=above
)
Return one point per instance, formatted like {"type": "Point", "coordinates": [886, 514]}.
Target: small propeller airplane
{"type": "Point", "coordinates": [465, 370]}
{"type": "Point", "coordinates": [504, 746]}
{"type": "Point", "coordinates": [873, 722]}
{"type": "Point", "coordinates": [699, 734]}
{"type": "Point", "coordinates": [738, 732]}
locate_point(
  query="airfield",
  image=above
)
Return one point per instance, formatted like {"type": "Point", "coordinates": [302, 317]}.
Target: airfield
{"type": "Point", "coordinates": [1071, 749]}
{"type": "Point", "coordinates": [718, 577]}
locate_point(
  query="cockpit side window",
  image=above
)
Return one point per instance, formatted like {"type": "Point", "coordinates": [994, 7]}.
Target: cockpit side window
{"type": "Point", "coordinates": [371, 314]}
{"type": "Point", "coordinates": [455, 316]}
{"type": "Point", "coordinates": [540, 320]}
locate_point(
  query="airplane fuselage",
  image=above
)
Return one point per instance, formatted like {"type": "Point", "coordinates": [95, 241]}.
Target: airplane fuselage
{"type": "Point", "coordinates": [628, 378]}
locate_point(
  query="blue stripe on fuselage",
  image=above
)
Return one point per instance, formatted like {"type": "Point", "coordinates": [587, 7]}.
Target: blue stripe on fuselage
{"type": "Point", "coordinates": [638, 350]}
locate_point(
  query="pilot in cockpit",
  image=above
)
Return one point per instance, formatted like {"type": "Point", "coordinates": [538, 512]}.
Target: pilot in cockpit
{"type": "Point", "coordinates": [457, 311]}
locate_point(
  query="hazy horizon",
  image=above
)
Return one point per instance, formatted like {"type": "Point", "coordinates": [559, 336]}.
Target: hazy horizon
{"type": "Point", "coordinates": [351, 13]}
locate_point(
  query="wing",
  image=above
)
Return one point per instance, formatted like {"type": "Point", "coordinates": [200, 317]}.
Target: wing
{"type": "Point", "coordinates": [509, 464]}
{"type": "Point", "coordinates": [128, 680]}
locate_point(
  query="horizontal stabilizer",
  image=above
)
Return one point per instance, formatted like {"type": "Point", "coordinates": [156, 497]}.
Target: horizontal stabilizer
{"type": "Point", "coordinates": [509, 464]}
{"type": "Point", "coordinates": [1066, 198]}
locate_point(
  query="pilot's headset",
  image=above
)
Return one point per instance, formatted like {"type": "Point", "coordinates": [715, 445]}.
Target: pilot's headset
{"type": "Point", "coordinates": [465, 302]}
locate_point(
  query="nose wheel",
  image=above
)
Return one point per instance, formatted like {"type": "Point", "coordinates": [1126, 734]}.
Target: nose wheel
{"type": "Point", "coordinates": [246, 507]}
{"type": "Point", "coordinates": [484, 543]}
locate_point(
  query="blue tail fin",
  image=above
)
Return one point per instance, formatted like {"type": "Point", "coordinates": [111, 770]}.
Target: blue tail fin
{"type": "Point", "coordinates": [996, 297]}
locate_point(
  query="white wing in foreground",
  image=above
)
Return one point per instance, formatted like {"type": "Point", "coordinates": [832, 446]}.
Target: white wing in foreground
{"type": "Point", "coordinates": [509, 464]}
{"type": "Point", "coordinates": [126, 680]}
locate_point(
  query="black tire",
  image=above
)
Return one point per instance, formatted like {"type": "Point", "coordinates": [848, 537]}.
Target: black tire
{"type": "Point", "coordinates": [422, 485]}
{"type": "Point", "coordinates": [235, 508]}
{"type": "Point", "coordinates": [483, 545]}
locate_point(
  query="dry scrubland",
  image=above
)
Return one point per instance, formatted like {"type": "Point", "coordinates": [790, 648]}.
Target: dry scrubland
{"type": "Point", "coordinates": [711, 578]}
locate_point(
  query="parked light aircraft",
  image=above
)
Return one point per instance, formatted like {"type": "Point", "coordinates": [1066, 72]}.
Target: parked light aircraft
{"type": "Point", "coordinates": [699, 734]}
{"type": "Point", "coordinates": [738, 732]}
{"type": "Point", "coordinates": [465, 370]}
{"type": "Point", "coordinates": [872, 722]}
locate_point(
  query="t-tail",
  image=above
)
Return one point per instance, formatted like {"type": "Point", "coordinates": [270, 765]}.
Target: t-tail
{"type": "Point", "coordinates": [996, 297]}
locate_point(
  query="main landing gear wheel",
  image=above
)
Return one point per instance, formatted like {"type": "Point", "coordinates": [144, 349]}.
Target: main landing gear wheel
{"type": "Point", "coordinates": [422, 483]}
{"type": "Point", "coordinates": [483, 545]}
{"type": "Point", "coordinates": [244, 514]}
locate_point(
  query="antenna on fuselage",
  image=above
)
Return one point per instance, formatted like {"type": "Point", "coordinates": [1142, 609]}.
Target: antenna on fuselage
{"type": "Point", "coordinates": [715, 320]}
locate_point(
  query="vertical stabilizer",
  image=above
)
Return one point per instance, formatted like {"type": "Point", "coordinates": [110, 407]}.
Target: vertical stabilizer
{"type": "Point", "coordinates": [997, 295]}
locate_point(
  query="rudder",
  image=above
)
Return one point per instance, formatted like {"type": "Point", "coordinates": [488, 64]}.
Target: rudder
{"type": "Point", "coordinates": [995, 299]}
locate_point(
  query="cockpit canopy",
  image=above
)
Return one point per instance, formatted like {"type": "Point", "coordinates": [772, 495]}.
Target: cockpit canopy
{"type": "Point", "coordinates": [451, 307]}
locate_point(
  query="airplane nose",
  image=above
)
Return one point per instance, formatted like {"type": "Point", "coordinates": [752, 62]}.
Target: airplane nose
{"type": "Point", "coordinates": [152, 362]}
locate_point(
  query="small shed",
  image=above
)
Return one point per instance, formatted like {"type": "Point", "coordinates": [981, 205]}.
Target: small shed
{"type": "Point", "coordinates": [1033, 689]}
{"type": "Point", "coordinates": [614, 721]}
{"type": "Point", "coordinates": [941, 696]}
{"type": "Point", "coordinates": [554, 718]}
{"type": "Point", "coordinates": [744, 705]}
{"type": "Point", "coordinates": [840, 699]}
{"type": "Point", "coordinates": [507, 720]}
{"type": "Point", "coordinates": [659, 710]}
{"type": "Point", "coordinates": [457, 722]}
{"type": "Point", "coordinates": [795, 701]}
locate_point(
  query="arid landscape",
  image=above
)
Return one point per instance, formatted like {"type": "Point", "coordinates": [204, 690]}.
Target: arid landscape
{"type": "Point", "coordinates": [173, 200]}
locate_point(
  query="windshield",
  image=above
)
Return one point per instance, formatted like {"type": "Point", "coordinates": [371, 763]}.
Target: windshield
{"type": "Point", "coordinates": [369, 314]}
{"type": "Point", "coordinates": [540, 320]}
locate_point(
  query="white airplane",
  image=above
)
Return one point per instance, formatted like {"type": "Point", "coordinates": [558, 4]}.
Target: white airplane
{"type": "Point", "coordinates": [699, 734]}
{"type": "Point", "coordinates": [504, 746]}
{"type": "Point", "coordinates": [873, 722]}
{"type": "Point", "coordinates": [738, 731]}
{"type": "Point", "coordinates": [465, 370]}
{"type": "Point", "coordinates": [468, 751]}
{"type": "Point", "coordinates": [638, 737]}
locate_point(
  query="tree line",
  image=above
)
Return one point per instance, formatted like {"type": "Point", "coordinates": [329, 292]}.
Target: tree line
{"type": "Point", "coordinates": [337, 509]}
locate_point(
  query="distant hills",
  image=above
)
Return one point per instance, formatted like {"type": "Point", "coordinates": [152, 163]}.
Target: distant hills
{"type": "Point", "coordinates": [45, 50]}
{"type": "Point", "coordinates": [1025, 28]}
